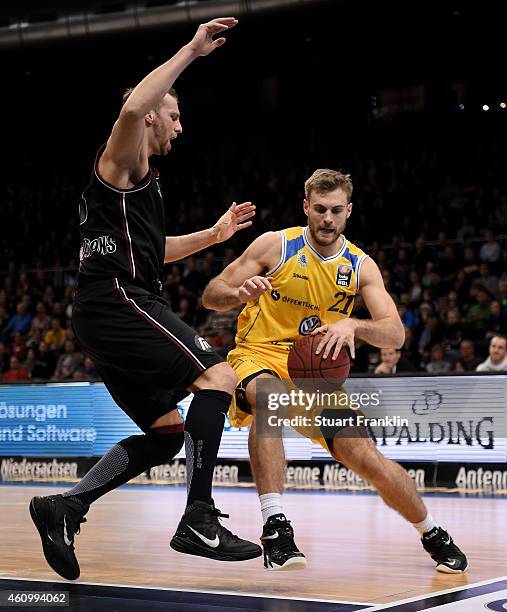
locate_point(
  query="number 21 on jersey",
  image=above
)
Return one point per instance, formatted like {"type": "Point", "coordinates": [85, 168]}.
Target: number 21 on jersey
{"type": "Point", "coordinates": [342, 304]}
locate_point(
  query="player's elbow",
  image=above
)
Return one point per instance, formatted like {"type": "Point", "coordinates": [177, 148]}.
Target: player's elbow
{"type": "Point", "coordinates": [398, 344]}
{"type": "Point", "coordinates": [207, 299]}
{"type": "Point", "coordinates": [398, 336]}
{"type": "Point", "coordinates": [206, 302]}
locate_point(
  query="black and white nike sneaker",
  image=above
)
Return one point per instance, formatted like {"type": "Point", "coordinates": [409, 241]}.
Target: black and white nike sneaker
{"type": "Point", "coordinates": [57, 519]}
{"type": "Point", "coordinates": [201, 533]}
{"type": "Point", "coordinates": [438, 543]}
{"type": "Point", "coordinates": [280, 550]}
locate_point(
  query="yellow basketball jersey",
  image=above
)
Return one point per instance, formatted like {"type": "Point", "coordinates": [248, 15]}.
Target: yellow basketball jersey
{"type": "Point", "coordinates": [308, 291]}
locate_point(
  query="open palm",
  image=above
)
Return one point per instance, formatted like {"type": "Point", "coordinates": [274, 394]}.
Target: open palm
{"type": "Point", "coordinates": [236, 218]}
{"type": "Point", "coordinates": [203, 42]}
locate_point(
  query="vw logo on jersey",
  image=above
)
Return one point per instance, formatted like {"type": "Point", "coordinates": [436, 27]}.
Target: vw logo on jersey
{"type": "Point", "coordinates": [308, 324]}
{"type": "Point", "coordinates": [202, 344]}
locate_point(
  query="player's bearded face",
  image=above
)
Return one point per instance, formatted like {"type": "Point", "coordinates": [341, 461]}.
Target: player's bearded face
{"type": "Point", "coordinates": [327, 214]}
{"type": "Point", "coordinates": [166, 124]}
{"type": "Point", "coordinates": [161, 136]}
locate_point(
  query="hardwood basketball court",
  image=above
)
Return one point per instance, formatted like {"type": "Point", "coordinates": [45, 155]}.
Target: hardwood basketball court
{"type": "Point", "coordinates": [360, 553]}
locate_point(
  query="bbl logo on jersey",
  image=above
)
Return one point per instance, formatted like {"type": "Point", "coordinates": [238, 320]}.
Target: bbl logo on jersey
{"type": "Point", "coordinates": [275, 295]}
{"type": "Point", "coordinates": [308, 324]}
{"type": "Point", "coordinates": [344, 275]}
{"type": "Point", "coordinates": [302, 261]}
{"type": "Point", "coordinates": [158, 187]}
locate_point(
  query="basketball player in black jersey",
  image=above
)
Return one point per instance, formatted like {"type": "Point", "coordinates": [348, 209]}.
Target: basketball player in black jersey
{"type": "Point", "coordinates": [147, 357]}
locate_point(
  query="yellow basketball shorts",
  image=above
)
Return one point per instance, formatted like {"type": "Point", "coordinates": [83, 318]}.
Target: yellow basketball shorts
{"type": "Point", "coordinates": [246, 363]}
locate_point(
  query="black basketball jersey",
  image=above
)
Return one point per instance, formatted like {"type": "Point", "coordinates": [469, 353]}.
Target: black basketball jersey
{"type": "Point", "coordinates": [122, 230]}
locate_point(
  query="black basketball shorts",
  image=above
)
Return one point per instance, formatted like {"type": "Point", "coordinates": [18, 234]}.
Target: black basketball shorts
{"type": "Point", "coordinates": [145, 354]}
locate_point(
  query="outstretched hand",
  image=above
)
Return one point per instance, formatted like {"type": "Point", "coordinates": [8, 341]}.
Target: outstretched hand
{"type": "Point", "coordinates": [236, 218]}
{"type": "Point", "coordinates": [203, 42]}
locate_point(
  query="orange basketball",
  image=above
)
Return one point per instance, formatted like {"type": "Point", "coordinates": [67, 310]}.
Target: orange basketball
{"type": "Point", "coordinates": [325, 374]}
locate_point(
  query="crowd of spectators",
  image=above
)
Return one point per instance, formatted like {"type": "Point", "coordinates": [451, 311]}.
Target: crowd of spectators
{"type": "Point", "coordinates": [452, 300]}
{"type": "Point", "coordinates": [36, 341]}
{"type": "Point", "coordinates": [434, 220]}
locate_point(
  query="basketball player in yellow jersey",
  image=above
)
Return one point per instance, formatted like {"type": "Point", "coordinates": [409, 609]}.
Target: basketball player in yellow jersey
{"type": "Point", "coordinates": [300, 281]}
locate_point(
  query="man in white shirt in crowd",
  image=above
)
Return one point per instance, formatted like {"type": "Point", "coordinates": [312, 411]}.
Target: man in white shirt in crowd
{"type": "Point", "coordinates": [497, 360]}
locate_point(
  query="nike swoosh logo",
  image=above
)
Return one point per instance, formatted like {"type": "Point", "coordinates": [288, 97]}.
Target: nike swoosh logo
{"type": "Point", "coordinates": [451, 562]}
{"type": "Point", "coordinates": [448, 542]}
{"type": "Point", "coordinates": [65, 538]}
{"type": "Point", "coordinates": [213, 543]}
{"type": "Point", "coordinates": [271, 537]}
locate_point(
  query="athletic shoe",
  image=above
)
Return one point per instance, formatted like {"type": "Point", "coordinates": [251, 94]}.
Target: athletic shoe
{"type": "Point", "coordinates": [280, 550]}
{"type": "Point", "coordinates": [201, 533]}
{"type": "Point", "coordinates": [57, 519]}
{"type": "Point", "coordinates": [438, 543]}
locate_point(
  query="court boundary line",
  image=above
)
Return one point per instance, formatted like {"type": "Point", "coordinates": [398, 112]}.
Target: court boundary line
{"type": "Point", "coordinates": [473, 585]}
{"type": "Point", "coordinates": [197, 591]}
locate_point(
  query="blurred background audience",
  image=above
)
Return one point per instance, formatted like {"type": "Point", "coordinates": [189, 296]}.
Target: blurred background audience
{"type": "Point", "coordinates": [425, 148]}
{"type": "Point", "coordinates": [450, 285]}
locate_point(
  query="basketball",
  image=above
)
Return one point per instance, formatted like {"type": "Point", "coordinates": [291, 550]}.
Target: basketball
{"type": "Point", "coordinates": [304, 363]}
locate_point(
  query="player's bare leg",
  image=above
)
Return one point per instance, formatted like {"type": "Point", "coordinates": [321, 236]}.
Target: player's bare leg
{"type": "Point", "coordinates": [398, 491]}
{"type": "Point", "coordinates": [393, 483]}
{"type": "Point", "coordinates": [267, 459]}
{"type": "Point", "coordinates": [267, 455]}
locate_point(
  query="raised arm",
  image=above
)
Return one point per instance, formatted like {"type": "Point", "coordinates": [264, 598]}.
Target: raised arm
{"type": "Point", "coordinates": [243, 280]}
{"type": "Point", "coordinates": [124, 156]}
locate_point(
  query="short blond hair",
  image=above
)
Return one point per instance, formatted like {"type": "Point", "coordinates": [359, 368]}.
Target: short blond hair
{"type": "Point", "coordinates": [324, 179]}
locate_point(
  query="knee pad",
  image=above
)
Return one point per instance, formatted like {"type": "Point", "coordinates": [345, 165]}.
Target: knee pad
{"type": "Point", "coordinates": [240, 393]}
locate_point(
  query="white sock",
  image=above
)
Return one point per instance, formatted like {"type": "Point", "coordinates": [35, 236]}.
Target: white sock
{"type": "Point", "coordinates": [427, 525]}
{"type": "Point", "coordinates": [271, 503]}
